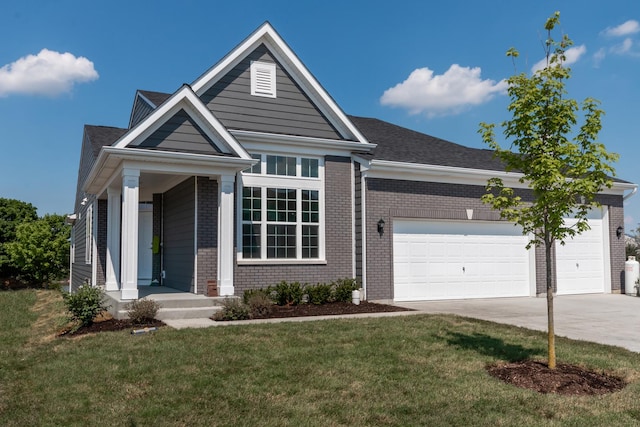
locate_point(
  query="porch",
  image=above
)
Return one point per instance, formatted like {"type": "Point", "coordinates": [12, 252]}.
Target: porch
{"type": "Point", "coordinates": [175, 304]}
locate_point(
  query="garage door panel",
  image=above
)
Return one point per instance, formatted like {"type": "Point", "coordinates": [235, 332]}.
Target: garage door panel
{"type": "Point", "coordinates": [580, 261]}
{"type": "Point", "coordinates": [468, 264]}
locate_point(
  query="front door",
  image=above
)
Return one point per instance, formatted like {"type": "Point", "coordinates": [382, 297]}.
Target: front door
{"type": "Point", "coordinates": [145, 244]}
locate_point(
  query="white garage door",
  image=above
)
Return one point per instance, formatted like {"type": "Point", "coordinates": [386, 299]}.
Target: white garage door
{"type": "Point", "coordinates": [455, 260]}
{"type": "Point", "coordinates": [580, 262]}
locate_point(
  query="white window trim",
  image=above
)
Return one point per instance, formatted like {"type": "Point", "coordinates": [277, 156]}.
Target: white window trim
{"type": "Point", "coordinates": [263, 79]}
{"type": "Point", "coordinates": [299, 183]}
{"type": "Point", "coordinates": [88, 236]}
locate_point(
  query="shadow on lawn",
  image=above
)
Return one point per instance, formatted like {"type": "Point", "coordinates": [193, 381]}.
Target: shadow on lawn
{"type": "Point", "coordinates": [490, 346]}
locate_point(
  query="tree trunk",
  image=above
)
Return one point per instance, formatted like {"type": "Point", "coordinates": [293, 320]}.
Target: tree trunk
{"type": "Point", "coordinates": [551, 336]}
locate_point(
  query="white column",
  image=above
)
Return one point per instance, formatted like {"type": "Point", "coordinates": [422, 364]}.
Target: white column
{"type": "Point", "coordinates": [129, 253]}
{"type": "Point", "coordinates": [225, 234]}
{"type": "Point", "coordinates": [113, 239]}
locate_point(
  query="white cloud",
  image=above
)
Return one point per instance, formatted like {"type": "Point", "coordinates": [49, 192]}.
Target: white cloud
{"type": "Point", "coordinates": [599, 56]}
{"type": "Point", "coordinates": [623, 48]}
{"type": "Point", "coordinates": [572, 56]}
{"type": "Point", "coordinates": [449, 93]}
{"type": "Point", "coordinates": [630, 27]}
{"type": "Point", "coordinates": [47, 73]}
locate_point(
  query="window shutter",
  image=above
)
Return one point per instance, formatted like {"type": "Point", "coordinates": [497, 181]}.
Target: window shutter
{"type": "Point", "coordinates": [263, 79]}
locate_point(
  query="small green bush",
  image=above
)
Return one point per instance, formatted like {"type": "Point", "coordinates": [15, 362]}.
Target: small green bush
{"type": "Point", "coordinates": [85, 304]}
{"type": "Point", "coordinates": [233, 309]}
{"type": "Point", "coordinates": [287, 293]}
{"type": "Point", "coordinates": [321, 293]}
{"type": "Point", "coordinates": [142, 310]}
{"type": "Point", "coordinates": [250, 293]}
{"type": "Point", "coordinates": [260, 305]}
{"type": "Point", "coordinates": [343, 289]}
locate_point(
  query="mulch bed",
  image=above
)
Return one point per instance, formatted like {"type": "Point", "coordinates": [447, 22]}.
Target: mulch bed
{"type": "Point", "coordinates": [329, 309]}
{"type": "Point", "coordinates": [565, 379]}
{"type": "Point", "coordinates": [110, 325]}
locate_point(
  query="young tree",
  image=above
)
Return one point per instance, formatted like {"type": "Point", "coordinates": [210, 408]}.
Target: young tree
{"type": "Point", "coordinates": [564, 169]}
{"type": "Point", "coordinates": [41, 249]}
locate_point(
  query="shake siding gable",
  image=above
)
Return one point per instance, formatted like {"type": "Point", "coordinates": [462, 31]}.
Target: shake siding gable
{"type": "Point", "coordinates": [180, 133]}
{"type": "Point", "coordinates": [141, 109]}
{"type": "Point", "coordinates": [291, 112]}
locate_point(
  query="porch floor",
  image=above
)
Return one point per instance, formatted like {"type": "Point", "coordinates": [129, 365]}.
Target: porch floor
{"type": "Point", "coordinates": [175, 304]}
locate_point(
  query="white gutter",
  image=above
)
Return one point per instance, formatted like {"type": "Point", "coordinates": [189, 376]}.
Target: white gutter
{"type": "Point", "coordinates": [634, 191]}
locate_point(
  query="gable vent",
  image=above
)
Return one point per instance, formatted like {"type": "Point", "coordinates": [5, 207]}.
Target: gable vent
{"type": "Point", "coordinates": [263, 79]}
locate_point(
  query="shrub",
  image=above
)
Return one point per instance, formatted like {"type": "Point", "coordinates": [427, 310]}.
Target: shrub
{"type": "Point", "coordinates": [286, 293]}
{"type": "Point", "coordinates": [233, 309]}
{"type": "Point", "coordinates": [85, 304]}
{"type": "Point", "coordinates": [250, 293]}
{"type": "Point", "coordinates": [320, 293]}
{"type": "Point", "coordinates": [260, 304]}
{"type": "Point", "coordinates": [343, 289]}
{"type": "Point", "coordinates": [143, 310]}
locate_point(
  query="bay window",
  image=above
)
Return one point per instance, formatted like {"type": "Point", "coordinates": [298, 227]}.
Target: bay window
{"type": "Point", "coordinates": [282, 210]}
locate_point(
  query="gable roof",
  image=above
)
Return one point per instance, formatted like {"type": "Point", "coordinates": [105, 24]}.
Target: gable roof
{"type": "Point", "coordinates": [100, 136]}
{"type": "Point", "coordinates": [268, 36]}
{"type": "Point", "coordinates": [156, 98]}
{"type": "Point", "coordinates": [399, 144]}
{"type": "Point", "coordinates": [184, 99]}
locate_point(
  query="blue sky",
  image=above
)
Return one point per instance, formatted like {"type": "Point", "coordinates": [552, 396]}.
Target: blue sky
{"type": "Point", "coordinates": [435, 67]}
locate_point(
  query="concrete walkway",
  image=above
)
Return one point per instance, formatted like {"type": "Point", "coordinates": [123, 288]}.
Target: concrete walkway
{"type": "Point", "coordinates": [604, 318]}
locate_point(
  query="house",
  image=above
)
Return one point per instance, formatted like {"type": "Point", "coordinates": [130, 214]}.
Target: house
{"type": "Point", "coordinates": [253, 174]}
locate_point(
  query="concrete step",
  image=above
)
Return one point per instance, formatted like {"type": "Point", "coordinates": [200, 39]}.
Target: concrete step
{"type": "Point", "coordinates": [173, 305]}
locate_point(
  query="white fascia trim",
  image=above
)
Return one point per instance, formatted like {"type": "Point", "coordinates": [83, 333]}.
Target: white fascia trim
{"type": "Point", "coordinates": [160, 161]}
{"type": "Point", "coordinates": [185, 99]}
{"type": "Point", "coordinates": [456, 175]}
{"type": "Point", "coordinates": [289, 60]}
{"type": "Point", "coordinates": [135, 101]}
{"type": "Point", "coordinates": [258, 140]}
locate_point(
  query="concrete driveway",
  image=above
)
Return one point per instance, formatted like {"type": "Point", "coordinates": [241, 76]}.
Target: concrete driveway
{"type": "Point", "coordinates": [604, 318]}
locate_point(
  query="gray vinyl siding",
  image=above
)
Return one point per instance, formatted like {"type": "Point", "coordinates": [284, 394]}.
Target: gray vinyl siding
{"type": "Point", "coordinates": [180, 133]}
{"type": "Point", "coordinates": [178, 235]}
{"type": "Point", "coordinates": [87, 160]}
{"type": "Point", "coordinates": [141, 109]}
{"type": "Point", "coordinates": [291, 113]}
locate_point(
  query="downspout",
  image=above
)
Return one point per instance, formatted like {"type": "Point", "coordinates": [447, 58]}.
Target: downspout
{"type": "Point", "coordinates": [363, 226]}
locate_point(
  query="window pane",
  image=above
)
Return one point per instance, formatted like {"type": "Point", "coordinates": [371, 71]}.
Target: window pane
{"type": "Point", "coordinates": [281, 165]}
{"type": "Point", "coordinates": [310, 241]}
{"type": "Point", "coordinates": [257, 168]}
{"type": "Point", "coordinates": [281, 241]}
{"type": "Point", "coordinates": [310, 206]}
{"type": "Point", "coordinates": [251, 203]}
{"type": "Point", "coordinates": [251, 240]}
{"type": "Point", "coordinates": [281, 205]}
{"type": "Point", "coordinates": [309, 167]}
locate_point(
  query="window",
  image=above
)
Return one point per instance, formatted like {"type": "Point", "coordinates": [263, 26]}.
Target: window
{"type": "Point", "coordinates": [282, 210]}
{"type": "Point", "coordinates": [88, 235]}
{"type": "Point", "coordinates": [263, 79]}
{"type": "Point", "coordinates": [257, 168]}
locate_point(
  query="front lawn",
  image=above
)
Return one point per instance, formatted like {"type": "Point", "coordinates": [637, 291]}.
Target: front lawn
{"type": "Point", "coordinates": [415, 370]}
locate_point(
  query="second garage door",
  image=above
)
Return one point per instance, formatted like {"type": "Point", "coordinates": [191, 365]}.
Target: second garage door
{"type": "Point", "coordinates": [459, 259]}
{"type": "Point", "coordinates": [581, 265]}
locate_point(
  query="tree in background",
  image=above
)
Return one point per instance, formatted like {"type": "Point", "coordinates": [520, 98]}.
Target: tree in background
{"type": "Point", "coordinates": [12, 214]}
{"type": "Point", "coordinates": [564, 174]}
{"type": "Point", "coordinates": [40, 250]}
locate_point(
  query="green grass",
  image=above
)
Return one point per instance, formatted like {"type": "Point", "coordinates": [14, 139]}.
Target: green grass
{"type": "Point", "coordinates": [401, 371]}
